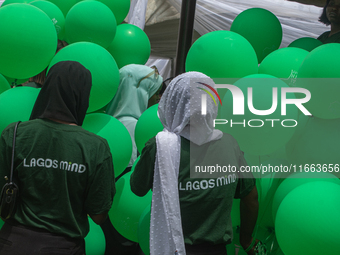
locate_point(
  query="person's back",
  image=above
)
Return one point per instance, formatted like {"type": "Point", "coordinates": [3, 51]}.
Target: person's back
{"type": "Point", "coordinates": [190, 210]}
{"type": "Point", "coordinates": [64, 173]}
{"type": "Point", "coordinates": [205, 201]}
{"type": "Point", "coordinates": [56, 170]}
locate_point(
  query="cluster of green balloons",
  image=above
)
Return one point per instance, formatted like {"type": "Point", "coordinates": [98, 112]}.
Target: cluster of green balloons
{"type": "Point", "coordinates": [314, 139]}
{"type": "Point", "coordinates": [127, 208]}
{"type": "Point", "coordinates": [75, 21]}
{"type": "Point", "coordinates": [258, 133]}
{"type": "Point", "coordinates": [307, 220]}
{"type": "Point", "coordinates": [319, 74]}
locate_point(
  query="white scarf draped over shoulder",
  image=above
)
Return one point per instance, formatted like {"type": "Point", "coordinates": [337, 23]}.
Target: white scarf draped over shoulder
{"type": "Point", "coordinates": [180, 113]}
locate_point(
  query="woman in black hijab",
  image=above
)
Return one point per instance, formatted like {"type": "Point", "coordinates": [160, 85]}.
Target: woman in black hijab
{"type": "Point", "coordinates": [65, 95]}
{"type": "Point", "coordinates": [64, 172]}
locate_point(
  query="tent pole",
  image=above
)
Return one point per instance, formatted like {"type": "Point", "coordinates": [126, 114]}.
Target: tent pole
{"type": "Point", "coordinates": [185, 32]}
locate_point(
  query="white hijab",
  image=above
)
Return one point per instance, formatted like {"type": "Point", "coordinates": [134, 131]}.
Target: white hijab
{"type": "Point", "coordinates": [180, 113]}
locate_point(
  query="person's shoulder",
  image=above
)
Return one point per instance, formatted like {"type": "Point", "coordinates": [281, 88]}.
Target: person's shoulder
{"type": "Point", "coordinates": [335, 38]}
{"type": "Point", "coordinates": [151, 141]}
{"type": "Point", "coordinates": [228, 138]}
{"type": "Point", "coordinates": [9, 128]}
{"type": "Point", "coordinates": [229, 141]}
{"type": "Point", "coordinates": [324, 34]}
{"type": "Point", "coordinates": [323, 37]}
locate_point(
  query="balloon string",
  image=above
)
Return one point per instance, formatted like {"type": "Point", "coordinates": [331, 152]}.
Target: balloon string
{"type": "Point", "coordinates": [262, 198]}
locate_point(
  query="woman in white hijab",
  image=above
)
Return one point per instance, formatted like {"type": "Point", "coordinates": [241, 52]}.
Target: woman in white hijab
{"type": "Point", "coordinates": [192, 215]}
{"type": "Point", "coordinates": [138, 86]}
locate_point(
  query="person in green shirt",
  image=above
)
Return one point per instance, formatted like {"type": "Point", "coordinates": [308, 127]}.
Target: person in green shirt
{"type": "Point", "coordinates": [331, 16]}
{"type": "Point", "coordinates": [64, 173]}
{"type": "Point", "coordinates": [190, 212]}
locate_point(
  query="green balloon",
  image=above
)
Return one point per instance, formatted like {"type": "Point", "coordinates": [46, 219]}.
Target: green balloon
{"type": "Point", "coordinates": [95, 243]}
{"type": "Point", "coordinates": [103, 68]}
{"type": "Point", "coordinates": [283, 63]}
{"type": "Point", "coordinates": [116, 135]}
{"type": "Point", "coordinates": [308, 222]}
{"type": "Point", "coordinates": [144, 230]}
{"type": "Point", "coordinates": [316, 142]}
{"type": "Point", "coordinates": [127, 208]}
{"type": "Point", "coordinates": [16, 104]}
{"type": "Point", "coordinates": [294, 181]}
{"type": "Point", "coordinates": [4, 85]}
{"type": "Point", "coordinates": [65, 5]}
{"type": "Point", "coordinates": [55, 15]}
{"type": "Point", "coordinates": [28, 41]}
{"type": "Point", "coordinates": [6, 2]}
{"type": "Point", "coordinates": [148, 125]}
{"type": "Point", "coordinates": [261, 28]}
{"type": "Point", "coordinates": [90, 21]}
{"type": "Point", "coordinates": [259, 134]}
{"type": "Point", "coordinates": [120, 8]}
{"type": "Point", "coordinates": [306, 43]}
{"type": "Point", "coordinates": [131, 45]}
{"type": "Point", "coordinates": [322, 81]}
{"type": "Point", "coordinates": [222, 54]}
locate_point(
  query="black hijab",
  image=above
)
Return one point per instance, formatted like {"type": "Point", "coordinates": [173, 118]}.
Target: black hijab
{"type": "Point", "coordinates": [65, 93]}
